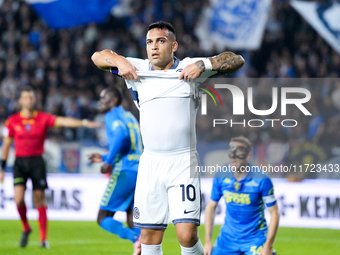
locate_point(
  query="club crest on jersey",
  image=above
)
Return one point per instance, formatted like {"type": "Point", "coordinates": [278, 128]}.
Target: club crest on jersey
{"type": "Point", "coordinates": [136, 213]}
{"type": "Point", "coordinates": [237, 186]}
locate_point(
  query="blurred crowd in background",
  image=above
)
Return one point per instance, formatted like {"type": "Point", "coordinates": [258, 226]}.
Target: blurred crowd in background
{"type": "Point", "coordinates": [57, 64]}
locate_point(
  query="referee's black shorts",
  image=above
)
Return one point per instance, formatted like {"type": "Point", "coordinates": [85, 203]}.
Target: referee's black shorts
{"type": "Point", "coordinates": [30, 167]}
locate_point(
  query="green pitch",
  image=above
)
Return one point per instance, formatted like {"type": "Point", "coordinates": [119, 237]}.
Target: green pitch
{"type": "Point", "coordinates": [86, 238]}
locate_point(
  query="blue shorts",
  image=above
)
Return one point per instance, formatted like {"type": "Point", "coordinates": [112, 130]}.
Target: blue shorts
{"type": "Point", "coordinates": [120, 191]}
{"type": "Point", "coordinates": [242, 247]}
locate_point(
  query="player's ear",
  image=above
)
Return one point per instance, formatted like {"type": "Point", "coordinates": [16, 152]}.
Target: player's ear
{"type": "Point", "coordinates": [115, 101]}
{"type": "Point", "coordinates": [174, 46]}
{"type": "Point", "coordinates": [20, 99]}
{"type": "Point", "coordinates": [249, 155]}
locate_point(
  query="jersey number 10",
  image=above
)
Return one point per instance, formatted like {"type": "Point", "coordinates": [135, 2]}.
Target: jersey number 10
{"type": "Point", "coordinates": [190, 197]}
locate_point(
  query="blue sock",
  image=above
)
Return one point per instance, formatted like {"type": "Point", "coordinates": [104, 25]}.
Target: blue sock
{"type": "Point", "coordinates": [137, 230]}
{"type": "Point", "coordinates": [115, 227]}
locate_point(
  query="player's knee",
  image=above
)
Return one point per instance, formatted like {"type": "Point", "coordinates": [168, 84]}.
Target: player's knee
{"type": "Point", "coordinates": [187, 238]}
{"type": "Point", "coordinates": [99, 218]}
{"type": "Point", "coordinates": [39, 201]}
{"type": "Point", "coordinates": [103, 214]}
{"type": "Point", "coordinates": [152, 236]}
{"type": "Point", "coordinates": [20, 202]}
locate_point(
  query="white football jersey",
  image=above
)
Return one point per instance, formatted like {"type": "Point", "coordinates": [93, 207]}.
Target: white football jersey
{"type": "Point", "coordinates": [167, 105]}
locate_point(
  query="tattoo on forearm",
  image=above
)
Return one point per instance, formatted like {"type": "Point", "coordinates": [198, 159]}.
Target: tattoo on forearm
{"type": "Point", "coordinates": [200, 65]}
{"type": "Point", "coordinates": [108, 60]}
{"type": "Point", "coordinates": [227, 62]}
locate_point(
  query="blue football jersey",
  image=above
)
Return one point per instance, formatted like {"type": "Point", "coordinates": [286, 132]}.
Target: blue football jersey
{"type": "Point", "coordinates": [124, 140]}
{"type": "Point", "coordinates": [245, 203]}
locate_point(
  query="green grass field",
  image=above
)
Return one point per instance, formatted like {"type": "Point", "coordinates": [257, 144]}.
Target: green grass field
{"type": "Point", "coordinates": [85, 238]}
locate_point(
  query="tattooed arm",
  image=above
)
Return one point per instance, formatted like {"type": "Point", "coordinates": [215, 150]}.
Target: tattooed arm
{"type": "Point", "coordinates": [107, 59]}
{"type": "Point", "coordinates": [226, 62]}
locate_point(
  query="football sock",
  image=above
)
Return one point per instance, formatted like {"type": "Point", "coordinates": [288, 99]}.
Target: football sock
{"type": "Point", "coordinates": [137, 230]}
{"type": "Point", "coordinates": [197, 249]}
{"type": "Point", "coordinates": [23, 217]}
{"type": "Point", "coordinates": [42, 220]}
{"type": "Point", "coordinates": [152, 249]}
{"type": "Point", "coordinates": [115, 227]}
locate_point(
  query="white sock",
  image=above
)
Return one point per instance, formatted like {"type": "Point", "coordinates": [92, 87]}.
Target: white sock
{"type": "Point", "coordinates": [197, 249]}
{"type": "Point", "coordinates": [152, 249]}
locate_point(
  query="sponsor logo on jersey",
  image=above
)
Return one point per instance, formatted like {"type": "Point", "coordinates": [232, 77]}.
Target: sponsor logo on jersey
{"type": "Point", "coordinates": [27, 122]}
{"type": "Point", "coordinates": [252, 183]}
{"type": "Point", "coordinates": [238, 198]}
{"type": "Point", "coordinates": [186, 212]}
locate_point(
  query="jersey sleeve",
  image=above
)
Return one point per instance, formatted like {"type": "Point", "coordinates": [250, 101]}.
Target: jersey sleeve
{"type": "Point", "coordinates": [116, 139]}
{"type": "Point", "coordinates": [267, 192]}
{"type": "Point", "coordinates": [205, 74]}
{"type": "Point", "coordinates": [50, 119]}
{"type": "Point", "coordinates": [8, 131]}
{"type": "Point", "coordinates": [216, 190]}
{"type": "Point", "coordinates": [140, 64]}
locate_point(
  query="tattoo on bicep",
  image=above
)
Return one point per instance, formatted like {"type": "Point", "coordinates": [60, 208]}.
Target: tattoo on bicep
{"type": "Point", "coordinates": [108, 60]}
{"type": "Point", "coordinates": [227, 62]}
{"type": "Point", "coordinates": [200, 65]}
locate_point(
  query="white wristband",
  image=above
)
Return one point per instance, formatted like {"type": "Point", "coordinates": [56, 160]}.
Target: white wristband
{"type": "Point", "coordinates": [85, 123]}
{"type": "Point", "coordinates": [207, 64]}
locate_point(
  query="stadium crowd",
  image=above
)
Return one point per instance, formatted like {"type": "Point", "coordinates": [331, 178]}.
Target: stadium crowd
{"type": "Point", "coordinates": [57, 64]}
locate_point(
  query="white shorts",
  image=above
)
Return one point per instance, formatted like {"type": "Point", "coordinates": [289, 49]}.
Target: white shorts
{"type": "Point", "coordinates": [165, 192]}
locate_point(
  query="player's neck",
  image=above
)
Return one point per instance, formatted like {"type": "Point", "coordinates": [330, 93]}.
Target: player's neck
{"type": "Point", "coordinates": [238, 175]}
{"type": "Point", "coordinates": [168, 66]}
{"type": "Point", "coordinates": [27, 113]}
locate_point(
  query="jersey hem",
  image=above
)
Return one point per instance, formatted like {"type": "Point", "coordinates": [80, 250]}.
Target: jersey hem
{"type": "Point", "coordinates": [150, 226]}
{"type": "Point", "coordinates": [187, 220]}
{"type": "Point", "coordinates": [171, 153]}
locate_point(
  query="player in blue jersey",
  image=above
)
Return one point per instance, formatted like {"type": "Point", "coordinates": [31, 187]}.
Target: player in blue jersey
{"type": "Point", "coordinates": [125, 148]}
{"type": "Point", "coordinates": [246, 193]}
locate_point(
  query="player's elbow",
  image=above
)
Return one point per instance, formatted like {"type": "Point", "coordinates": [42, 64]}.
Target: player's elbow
{"type": "Point", "coordinates": [95, 57]}
{"type": "Point", "coordinates": [239, 61]}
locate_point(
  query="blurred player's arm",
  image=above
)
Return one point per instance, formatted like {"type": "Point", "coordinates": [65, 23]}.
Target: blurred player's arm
{"type": "Point", "coordinates": [97, 158]}
{"type": "Point", "coordinates": [107, 59]}
{"type": "Point", "coordinates": [115, 141]}
{"type": "Point", "coordinates": [272, 230]}
{"type": "Point", "coordinates": [6, 145]}
{"type": "Point", "coordinates": [210, 211]}
{"type": "Point", "coordinates": [226, 62]}
{"type": "Point", "coordinates": [74, 123]}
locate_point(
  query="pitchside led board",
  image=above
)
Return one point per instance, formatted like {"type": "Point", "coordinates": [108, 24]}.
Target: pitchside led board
{"type": "Point", "coordinates": [77, 197]}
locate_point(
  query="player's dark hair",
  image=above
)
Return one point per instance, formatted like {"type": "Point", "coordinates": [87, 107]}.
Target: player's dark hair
{"type": "Point", "coordinates": [27, 89]}
{"type": "Point", "coordinates": [242, 139]}
{"type": "Point", "coordinates": [164, 25]}
{"type": "Point", "coordinates": [115, 92]}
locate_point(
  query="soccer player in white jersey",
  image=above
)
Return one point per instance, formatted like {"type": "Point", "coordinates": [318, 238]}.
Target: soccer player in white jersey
{"type": "Point", "coordinates": [164, 90]}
